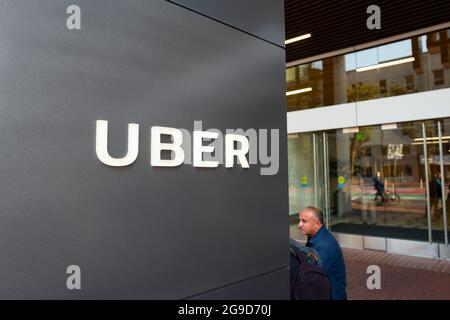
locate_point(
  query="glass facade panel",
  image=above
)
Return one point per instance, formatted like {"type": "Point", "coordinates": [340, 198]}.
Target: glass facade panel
{"type": "Point", "coordinates": [416, 64]}
{"type": "Point", "coordinates": [377, 183]}
{"type": "Point", "coordinates": [445, 199]}
{"type": "Point", "coordinates": [365, 78]}
{"type": "Point", "coordinates": [306, 175]}
{"type": "Point", "coordinates": [404, 176]}
{"type": "Point", "coordinates": [394, 51]}
{"type": "Point", "coordinates": [301, 171]}
{"type": "Point", "coordinates": [320, 83]}
{"type": "Point", "coordinates": [374, 180]}
{"type": "Point", "coordinates": [432, 145]}
{"type": "Point", "coordinates": [305, 159]}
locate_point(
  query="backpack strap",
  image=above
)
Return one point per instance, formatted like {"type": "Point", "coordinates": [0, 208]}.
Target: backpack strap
{"type": "Point", "coordinates": [298, 254]}
{"type": "Point", "coordinates": [309, 256]}
{"type": "Point", "coordinates": [312, 256]}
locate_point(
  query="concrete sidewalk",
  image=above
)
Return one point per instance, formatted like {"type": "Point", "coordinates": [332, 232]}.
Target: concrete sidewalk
{"type": "Point", "coordinates": [402, 277]}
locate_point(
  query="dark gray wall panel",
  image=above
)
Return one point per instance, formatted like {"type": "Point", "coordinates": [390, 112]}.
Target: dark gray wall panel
{"type": "Point", "coordinates": [137, 231]}
{"type": "Point", "coordinates": [258, 17]}
{"type": "Point", "coordinates": [272, 286]}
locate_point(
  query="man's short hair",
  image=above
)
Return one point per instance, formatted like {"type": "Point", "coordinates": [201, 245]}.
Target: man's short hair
{"type": "Point", "coordinates": [317, 213]}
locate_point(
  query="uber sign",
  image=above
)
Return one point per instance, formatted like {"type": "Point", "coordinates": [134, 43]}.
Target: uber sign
{"type": "Point", "coordinates": [180, 150]}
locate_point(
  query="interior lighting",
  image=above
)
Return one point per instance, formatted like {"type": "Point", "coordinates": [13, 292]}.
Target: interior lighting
{"type": "Point", "coordinates": [289, 93]}
{"type": "Point", "coordinates": [430, 142]}
{"type": "Point", "coordinates": [385, 64]}
{"type": "Point", "coordinates": [432, 138]}
{"type": "Point", "coordinates": [302, 37]}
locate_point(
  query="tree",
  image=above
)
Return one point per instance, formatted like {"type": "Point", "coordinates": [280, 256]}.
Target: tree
{"type": "Point", "coordinates": [362, 91]}
{"type": "Point", "coordinates": [396, 90]}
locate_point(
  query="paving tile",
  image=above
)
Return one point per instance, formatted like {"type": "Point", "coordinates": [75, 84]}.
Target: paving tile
{"type": "Point", "coordinates": [402, 277]}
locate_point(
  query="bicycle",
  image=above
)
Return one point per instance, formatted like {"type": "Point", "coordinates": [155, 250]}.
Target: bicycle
{"type": "Point", "coordinates": [387, 198]}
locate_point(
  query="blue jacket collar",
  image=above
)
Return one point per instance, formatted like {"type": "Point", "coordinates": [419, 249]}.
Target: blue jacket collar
{"type": "Point", "coordinates": [316, 238]}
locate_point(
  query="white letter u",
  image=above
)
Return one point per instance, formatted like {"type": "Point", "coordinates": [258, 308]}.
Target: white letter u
{"type": "Point", "coordinates": [101, 145]}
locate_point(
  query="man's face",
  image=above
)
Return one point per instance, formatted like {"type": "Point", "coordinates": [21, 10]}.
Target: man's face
{"type": "Point", "coordinates": [308, 224]}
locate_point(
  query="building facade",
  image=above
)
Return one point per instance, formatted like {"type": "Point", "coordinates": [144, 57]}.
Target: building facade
{"type": "Point", "coordinates": [374, 114]}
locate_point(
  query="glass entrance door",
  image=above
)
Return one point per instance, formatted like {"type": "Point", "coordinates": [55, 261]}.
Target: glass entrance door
{"type": "Point", "coordinates": [389, 181]}
{"type": "Point", "coordinates": [306, 175]}
{"type": "Point", "coordinates": [381, 180]}
{"type": "Point", "coordinates": [405, 199]}
{"type": "Point", "coordinates": [442, 182]}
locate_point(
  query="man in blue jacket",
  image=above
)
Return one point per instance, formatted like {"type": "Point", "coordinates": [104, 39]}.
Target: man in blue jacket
{"type": "Point", "coordinates": [319, 238]}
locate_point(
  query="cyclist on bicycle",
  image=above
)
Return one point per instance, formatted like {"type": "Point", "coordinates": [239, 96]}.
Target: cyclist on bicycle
{"type": "Point", "coordinates": [379, 186]}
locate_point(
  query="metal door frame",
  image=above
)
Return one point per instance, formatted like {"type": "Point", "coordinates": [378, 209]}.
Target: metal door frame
{"type": "Point", "coordinates": [444, 206]}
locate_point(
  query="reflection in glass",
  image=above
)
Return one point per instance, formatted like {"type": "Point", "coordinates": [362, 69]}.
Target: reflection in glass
{"type": "Point", "coordinates": [376, 179]}
{"type": "Point", "coordinates": [394, 51]}
{"type": "Point", "coordinates": [445, 200]}
{"type": "Point", "coordinates": [301, 171]}
{"type": "Point", "coordinates": [380, 185]}
{"type": "Point", "coordinates": [305, 172]}
{"type": "Point", "coordinates": [405, 171]}
{"type": "Point", "coordinates": [416, 64]}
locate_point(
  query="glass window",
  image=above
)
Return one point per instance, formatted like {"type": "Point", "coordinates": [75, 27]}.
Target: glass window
{"type": "Point", "coordinates": [409, 82]}
{"type": "Point", "coordinates": [290, 75]}
{"type": "Point", "coordinates": [305, 172]}
{"type": "Point", "coordinates": [368, 57]}
{"type": "Point", "coordinates": [383, 88]}
{"type": "Point", "coordinates": [423, 44]}
{"type": "Point", "coordinates": [402, 67]}
{"type": "Point", "coordinates": [366, 85]}
{"type": "Point", "coordinates": [393, 51]}
{"type": "Point", "coordinates": [441, 199]}
{"type": "Point", "coordinates": [350, 61]}
{"type": "Point", "coordinates": [377, 179]}
{"type": "Point", "coordinates": [438, 77]}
